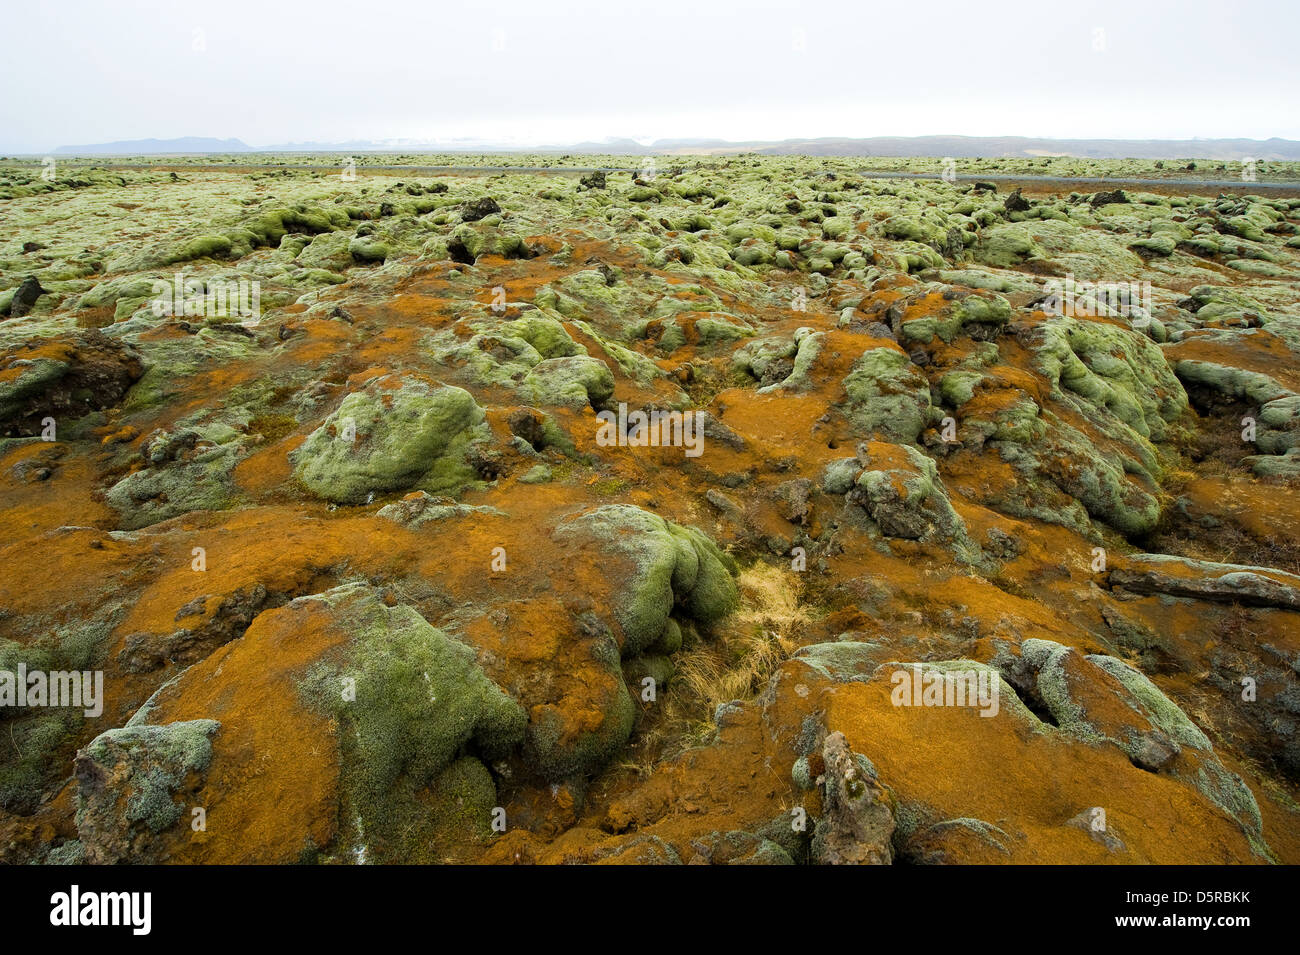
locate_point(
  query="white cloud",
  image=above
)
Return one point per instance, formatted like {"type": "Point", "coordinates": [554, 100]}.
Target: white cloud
{"type": "Point", "coordinates": [566, 70]}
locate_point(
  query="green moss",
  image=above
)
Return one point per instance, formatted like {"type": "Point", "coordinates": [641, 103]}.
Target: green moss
{"type": "Point", "coordinates": [1048, 660]}
{"type": "Point", "coordinates": [714, 331]}
{"type": "Point", "coordinates": [157, 759]}
{"type": "Point", "coordinates": [1056, 689]}
{"type": "Point", "coordinates": [168, 363]}
{"type": "Point", "coordinates": [107, 293]}
{"type": "Point", "coordinates": [1156, 245]}
{"type": "Point", "coordinates": [203, 483]}
{"type": "Point", "coordinates": [203, 247]}
{"type": "Point", "coordinates": [837, 227]}
{"type": "Point", "coordinates": [887, 395]}
{"type": "Point", "coordinates": [758, 356]}
{"type": "Point", "coordinates": [545, 334]}
{"type": "Point", "coordinates": [369, 249]}
{"type": "Point", "coordinates": [669, 564]}
{"type": "Point", "coordinates": [330, 253]}
{"type": "Point", "coordinates": [553, 436]}
{"type": "Point", "coordinates": [1007, 246]}
{"type": "Point", "coordinates": [1114, 369]}
{"type": "Point", "coordinates": [1214, 303]}
{"type": "Point", "coordinates": [703, 572]}
{"type": "Point", "coordinates": [31, 747]}
{"type": "Point", "coordinates": [151, 801]}
{"type": "Point", "coordinates": [420, 699]}
{"type": "Point", "coordinates": [416, 432]}
{"type": "Point", "coordinates": [670, 641]}
{"type": "Point", "coordinates": [958, 387]}
{"type": "Point", "coordinates": [574, 382]}
{"type": "Point", "coordinates": [1235, 383]}
{"type": "Point", "coordinates": [806, 349]}
{"type": "Point", "coordinates": [463, 797]}
{"type": "Point", "coordinates": [632, 363]}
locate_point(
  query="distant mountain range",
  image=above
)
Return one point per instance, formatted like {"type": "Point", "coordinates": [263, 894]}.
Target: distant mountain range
{"type": "Point", "coordinates": [147, 147]}
{"type": "Point", "coordinates": [955, 146]}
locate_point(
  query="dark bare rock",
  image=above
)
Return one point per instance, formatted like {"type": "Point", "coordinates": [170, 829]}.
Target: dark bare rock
{"type": "Point", "coordinates": [64, 378]}
{"type": "Point", "coordinates": [477, 209]}
{"type": "Point", "coordinates": [1205, 580]}
{"type": "Point", "coordinates": [1016, 202]}
{"type": "Point", "coordinates": [24, 299]}
{"type": "Point", "coordinates": [1107, 198]}
{"type": "Point", "coordinates": [230, 616]}
{"type": "Point", "coordinates": [857, 825]}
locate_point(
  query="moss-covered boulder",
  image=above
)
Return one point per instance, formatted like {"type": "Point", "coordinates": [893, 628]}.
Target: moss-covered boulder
{"type": "Point", "coordinates": [1213, 303]}
{"type": "Point", "coordinates": [397, 434]}
{"type": "Point", "coordinates": [1115, 370]}
{"type": "Point", "coordinates": [187, 469]}
{"type": "Point", "coordinates": [330, 252]}
{"type": "Point", "coordinates": [201, 247]}
{"type": "Point", "coordinates": [900, 489]}
{"type": "Point", "coordinates": [63, 378]}
{"type": "Point", "coordinates": [1279, 425]}
{"type": "Point", "coordinates": [887, 395]}
{"type": "Point", "coordinates": [546, 333]}
{"type": "Point", "coordinates": [1208, 580]}
{"type": "Point", "coordinates": [1084, 447]}
{"type": "Point", "coordinates": [1229, 381]}
{"type": "Point", "coordinates": [959, 311]}
{"type": "Point", "coordinates": [1007, 246]}
{"type": "Point", "coordinates": [351, 728]}
{"type": "Point", "coordinates": [369, 249]}
{"type": "Point", "coordinates": [416, 698]}
{"type": "Point", "coordinates": [203, 483]}
{"type": "Point", "coordinates": [1100, 699]}
{"type": "Point", "coordinates": [128, 781]}
{"type": "Point", "coordinates": [574, 382]}
{"type": "Point", "coordinates": [659, 566]}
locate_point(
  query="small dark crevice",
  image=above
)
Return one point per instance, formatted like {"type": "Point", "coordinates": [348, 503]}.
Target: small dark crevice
{"type": "Point", "coordinates": [456, 249]}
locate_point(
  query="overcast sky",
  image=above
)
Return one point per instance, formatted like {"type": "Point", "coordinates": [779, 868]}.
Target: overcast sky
{"type": "Point", "coordinates": [554, 71]}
